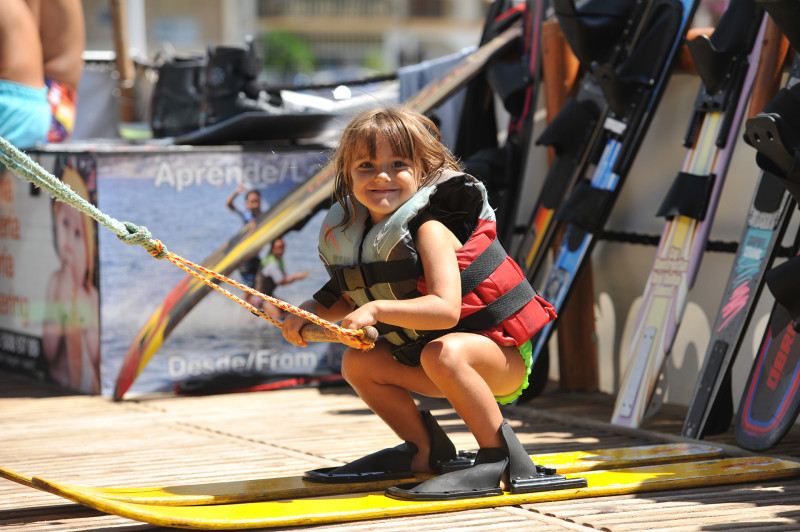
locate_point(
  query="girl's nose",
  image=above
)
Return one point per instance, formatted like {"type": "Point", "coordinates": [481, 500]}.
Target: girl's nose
{"type": "Point", "coordinates": [382, 175]}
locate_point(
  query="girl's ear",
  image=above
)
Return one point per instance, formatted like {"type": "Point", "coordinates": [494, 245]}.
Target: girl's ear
{"type": "Point", "coordinates": [420, 173]}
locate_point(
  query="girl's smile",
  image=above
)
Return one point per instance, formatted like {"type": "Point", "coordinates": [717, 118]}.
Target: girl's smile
{"type": "Point", "coordinates": [384, 182]}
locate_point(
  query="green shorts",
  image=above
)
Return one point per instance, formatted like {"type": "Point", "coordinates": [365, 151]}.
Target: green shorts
{"type": "Point", "coordinates": [526, 350]}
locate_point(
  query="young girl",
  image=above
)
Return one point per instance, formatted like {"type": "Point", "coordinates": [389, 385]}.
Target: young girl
{"type": "Point", "coordinates": [71, 328]}
{"type": "Point", "coordinates": [411, 248]}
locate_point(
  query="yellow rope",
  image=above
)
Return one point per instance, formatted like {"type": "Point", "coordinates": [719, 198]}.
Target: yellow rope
{"type": "Point", "coordinates": [354, 335]}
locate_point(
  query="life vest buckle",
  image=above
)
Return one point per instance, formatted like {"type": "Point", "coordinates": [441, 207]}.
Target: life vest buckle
{"type": "Point", "coordinates": [353, 277]}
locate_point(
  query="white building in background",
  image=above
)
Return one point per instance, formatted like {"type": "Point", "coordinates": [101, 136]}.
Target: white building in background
{"type": "Point", "coordinates": [342, 33]}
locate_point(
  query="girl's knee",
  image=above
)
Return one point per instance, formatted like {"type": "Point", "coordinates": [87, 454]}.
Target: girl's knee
{"type": "Point", "coordinates": [352, 364]}
{"type": "Point", "coordinates": [360, 366]}
{"type": "Point", "coordinates": [440, 355]}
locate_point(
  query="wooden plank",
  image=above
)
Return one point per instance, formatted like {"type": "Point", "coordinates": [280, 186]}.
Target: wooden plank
{"type": "Point", "coordinates": [245, 435]}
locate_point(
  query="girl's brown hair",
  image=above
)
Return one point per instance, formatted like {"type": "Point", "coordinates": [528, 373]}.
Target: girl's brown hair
{"type": "Point", "coordinates": [411, 135]}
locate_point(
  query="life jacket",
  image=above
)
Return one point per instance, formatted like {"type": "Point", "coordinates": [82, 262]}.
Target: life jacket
{"type": "Point", "coordinates": [370, 261]}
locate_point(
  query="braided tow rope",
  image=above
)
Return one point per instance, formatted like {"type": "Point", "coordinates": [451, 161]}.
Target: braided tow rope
{"type": "Point", "coordinates": [129, 233]}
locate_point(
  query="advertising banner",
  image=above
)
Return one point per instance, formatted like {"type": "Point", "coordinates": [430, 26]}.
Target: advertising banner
{"type": "Point", "coordinates": [49, 301]}
{"type": "Point", "coordinates": [73, 297]}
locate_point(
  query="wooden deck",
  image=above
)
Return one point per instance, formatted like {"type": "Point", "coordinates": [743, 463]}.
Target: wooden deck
{"type": "Point", "coordinates": [166, 439]}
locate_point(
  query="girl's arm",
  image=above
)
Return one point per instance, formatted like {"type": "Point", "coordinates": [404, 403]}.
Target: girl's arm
{"type": "Point", "coordinates": [440, 308]}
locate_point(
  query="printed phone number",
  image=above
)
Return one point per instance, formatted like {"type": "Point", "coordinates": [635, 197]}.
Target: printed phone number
{"type": "Point", "coordinates": [20, 344]}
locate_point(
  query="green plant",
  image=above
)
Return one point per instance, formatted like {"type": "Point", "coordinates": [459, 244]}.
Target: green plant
{"type": "Point", "coordinates": [287, 53]}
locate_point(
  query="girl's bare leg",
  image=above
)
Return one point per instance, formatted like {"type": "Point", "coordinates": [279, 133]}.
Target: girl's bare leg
{"type": "Point", "coordinates": [470, 370]}
{"type": "Point", "coordinates": [467, 369]}
{"type": "Point", "coordinates": [384, 384]}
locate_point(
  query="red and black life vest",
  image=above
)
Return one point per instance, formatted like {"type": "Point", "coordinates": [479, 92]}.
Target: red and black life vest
{"type": "Point", "coordinates": [371, 262]}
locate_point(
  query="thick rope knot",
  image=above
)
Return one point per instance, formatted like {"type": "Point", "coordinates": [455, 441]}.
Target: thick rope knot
{"type": "Point", "coordinates": [136, 234]}
{"type": "Point", "coordinates": [141, 235]}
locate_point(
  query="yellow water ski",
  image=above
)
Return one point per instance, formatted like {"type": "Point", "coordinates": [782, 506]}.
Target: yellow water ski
{"type": "Point", "coordinates": [266, 489]}
{"type": "Point", "coordinates": [374, 505]}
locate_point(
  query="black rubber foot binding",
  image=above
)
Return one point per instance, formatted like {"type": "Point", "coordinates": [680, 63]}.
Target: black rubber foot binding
{"type": "Point", "coordinates": [395, 463]}
{"type": "Point", "coordinates": [483, 479]}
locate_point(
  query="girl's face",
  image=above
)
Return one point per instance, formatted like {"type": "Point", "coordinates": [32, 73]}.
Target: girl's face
{"type": "Point", "coordinates": [71, 241]}
{"type": "Point", "coordinates": [383, 183]}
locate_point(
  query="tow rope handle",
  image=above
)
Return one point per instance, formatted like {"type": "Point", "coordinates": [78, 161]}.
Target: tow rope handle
{"type": "Point", "coordinates": [317, 333]}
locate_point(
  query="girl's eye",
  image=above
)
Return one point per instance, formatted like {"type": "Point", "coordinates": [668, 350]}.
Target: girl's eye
{"type": "Point", "coordinates": [366, 165]}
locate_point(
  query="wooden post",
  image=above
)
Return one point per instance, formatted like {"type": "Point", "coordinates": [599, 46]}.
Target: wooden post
{"type": "Point", "coordinates": [124, 62]}
{"type": "Point", "coordinates": [577, 343]}
{"type": "Point", "coordinates": [559, 71]}
{"type": "Point", "coordinates": [770, 68]}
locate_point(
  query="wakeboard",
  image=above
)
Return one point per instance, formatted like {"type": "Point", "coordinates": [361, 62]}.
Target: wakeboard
{"type": "Point", "coordinates": [770, 402]}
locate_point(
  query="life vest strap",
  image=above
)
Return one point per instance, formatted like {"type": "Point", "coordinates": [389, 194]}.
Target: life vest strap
{"type": "Point", "coordinates": [361, 276]}
{"type": "Point", "coordinates": [500, 309]}
{"type": "Point", "coordinates": [329, 294]}
{"type": "Point", "coordinates": [482, 267]}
